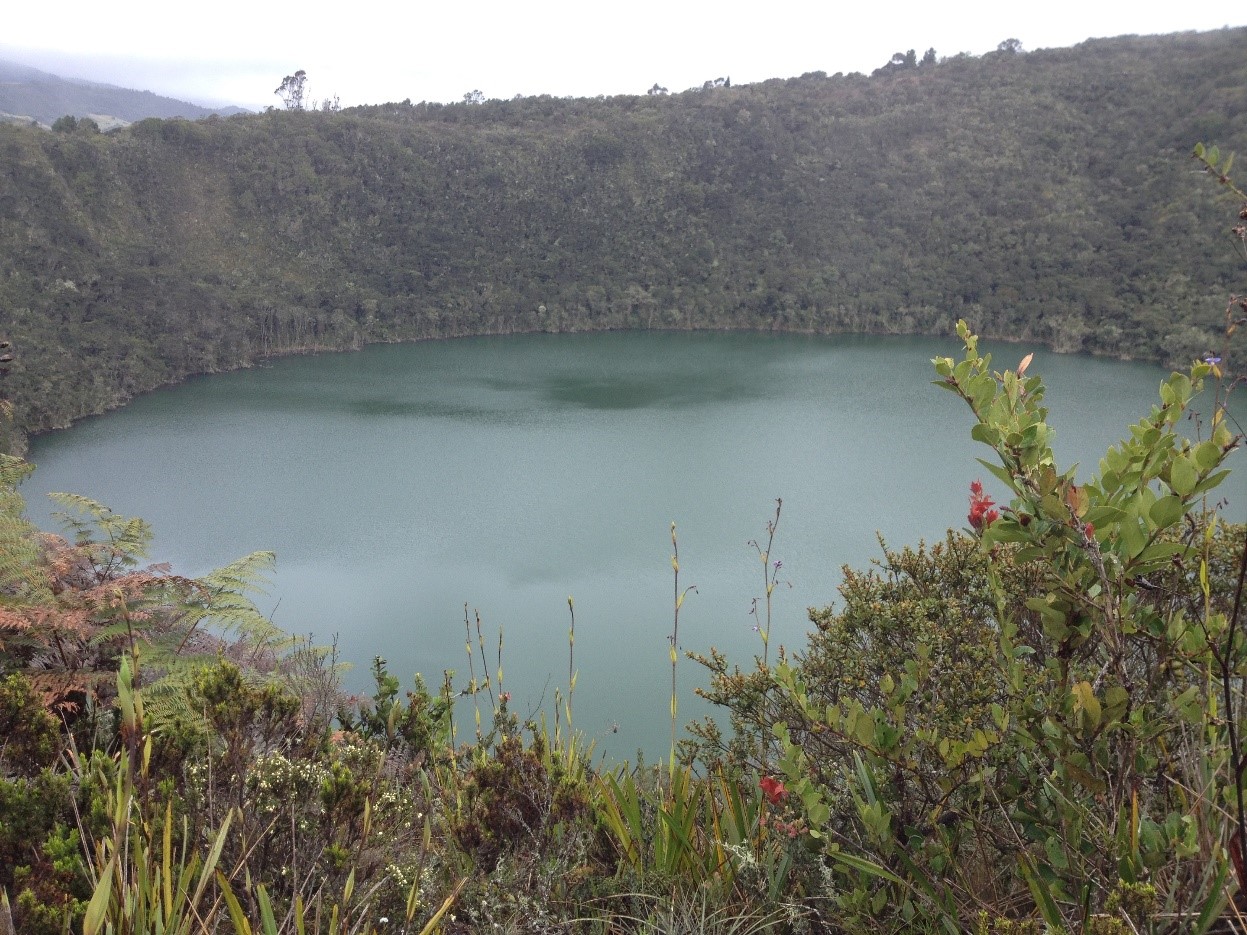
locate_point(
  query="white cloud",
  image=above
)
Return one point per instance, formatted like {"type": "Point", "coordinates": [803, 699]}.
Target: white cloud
{"type": "Point", "coordinates": [371, 52]}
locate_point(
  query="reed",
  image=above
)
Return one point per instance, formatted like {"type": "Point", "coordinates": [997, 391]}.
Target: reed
{"type": "Point", "coordinates": [674, 639]}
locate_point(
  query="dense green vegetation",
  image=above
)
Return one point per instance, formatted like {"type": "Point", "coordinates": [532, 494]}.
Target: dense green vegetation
{"type": "Point", "coordinates": [1044, 196]}
{"type": "Point", "coordinates": [1035, 725]}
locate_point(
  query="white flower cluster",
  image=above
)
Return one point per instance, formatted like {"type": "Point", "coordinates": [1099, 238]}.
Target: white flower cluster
{"type": "Point", "coordinates": [276, 781]}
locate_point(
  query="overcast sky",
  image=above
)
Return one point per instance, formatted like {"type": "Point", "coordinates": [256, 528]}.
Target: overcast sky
{"type": "Point", "coordinates": [369, 52]}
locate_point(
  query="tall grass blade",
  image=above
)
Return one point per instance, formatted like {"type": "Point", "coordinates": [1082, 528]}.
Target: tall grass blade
{"type": "Point", "coordinates": [1215, 903]}
{"type": "Point", "coordinates": [449, 901]}
{"type": "Point", "coordinates": [1042, 894]}
{"type": "Point", "coordinates": [237, 916]}
{"type": "Point", "coordinates": [97, 908]}
{"type": "Point", "coordinates": [266, 911]}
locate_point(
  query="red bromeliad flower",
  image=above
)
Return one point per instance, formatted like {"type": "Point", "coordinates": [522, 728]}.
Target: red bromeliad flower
{"type": "Point", "coordinates": [773, 789]}
{"type": "Point", "coordinates": [981, 513]}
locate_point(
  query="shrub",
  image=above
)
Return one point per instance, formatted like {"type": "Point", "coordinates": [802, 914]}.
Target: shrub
{"type": "Point", "coordinates": [1029, 716]}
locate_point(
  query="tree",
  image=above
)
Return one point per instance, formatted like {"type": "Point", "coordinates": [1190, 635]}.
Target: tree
{"type": "Point", "coordinates": [900, 60]}
{"type": "Point", "coordinates": [1010, 47]}
{"type": "Point", "coordinates": [928, 57]}
{"type": "Point", "coordinates": [474, 97]}
{"type": "Point", "coordinates": [291, 90]}
{"type": "Point", "coordinates": [657, 89]}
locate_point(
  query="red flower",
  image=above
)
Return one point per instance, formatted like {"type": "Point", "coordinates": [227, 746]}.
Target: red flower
{"type": "Point", "coordinates": [981, 513]}
{"type": "Point", "coordinates": [773, 789]}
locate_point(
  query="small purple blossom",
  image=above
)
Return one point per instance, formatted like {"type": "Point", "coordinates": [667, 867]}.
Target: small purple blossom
{"type": "Point", "coordinates": [756, 629]}
{"type": "Point", "coordinates": [778, 564]}
{"type": "Point", "coordinates": [1212, 360]}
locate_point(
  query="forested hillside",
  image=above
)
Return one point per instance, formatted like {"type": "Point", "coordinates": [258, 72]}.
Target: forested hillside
{"type": "Point", "coordinates": [1045, 196]}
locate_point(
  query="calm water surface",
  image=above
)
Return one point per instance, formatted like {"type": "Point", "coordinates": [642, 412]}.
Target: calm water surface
{"type": "Point", "coordinates": [399, 483]}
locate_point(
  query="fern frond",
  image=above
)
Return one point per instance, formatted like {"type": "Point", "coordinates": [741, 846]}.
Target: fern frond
{"type": "Point", "coordinates": [62, 691]}
{"type": "Point", "coordinates": [91, 512]}
{"type": "Point", "coordinates": [20, 576]}
{"type": "Point", "coordinates": [167, 700]}
{"type": "Point", "coordinates": [224, 603]}
{"type": "Point", "coordinates": [14, 470]}
{"type": "Point", "coordinates": [245, 575]}
{"type": "Point", "coordinates": [113, 541]}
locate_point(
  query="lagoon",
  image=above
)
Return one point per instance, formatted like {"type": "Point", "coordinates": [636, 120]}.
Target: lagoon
{"type": "Point", "coordinates": [400, 483]}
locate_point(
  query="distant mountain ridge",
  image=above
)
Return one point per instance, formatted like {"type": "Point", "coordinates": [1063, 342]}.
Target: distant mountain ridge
{"type": "Point", "coordinates": [28, 93]}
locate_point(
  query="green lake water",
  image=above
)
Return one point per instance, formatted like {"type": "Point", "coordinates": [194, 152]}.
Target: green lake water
{"type": "Point", "coordinates": [401, 482]}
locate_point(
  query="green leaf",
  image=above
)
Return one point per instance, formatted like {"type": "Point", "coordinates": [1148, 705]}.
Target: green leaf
{"type": "Point", "coordinates": [1086, 701]}
{"type": "Point", "coordinates": [1180, 385]}
{"type": "Point", "coordinates": [97, 908]}
{"type": "Point", "coordinates": [982, 390]}
{"type": "Point", "coordinates": [1158, 553]}
{"type": "Point", "coordinates": [1189, 705]}
{"type": "Point", "coordinates": [1209, 482]}
{"type": "Point", "coordinates": [1042, 894]}
{"type": "Point", "coordinates": [1167, 510]}
{"type": "Point", "coordinates": [1182, 476]}
{"type": "Point", "coordinates": [817, 813]}
{"type": "Point", "coordinates": [1116, 699]}
{"type": "Point", "coordinates": [998, 472]}
{"type": "Point", "coordinates": [1101, 517]}
{"type": "Point", "coordinates": [1005, 530]}
{"type": "Point", "coordinates": [1133, 540]}
{"type": "Point", "coordinates": [266, 911]}
{"type": "Point", "coordinates": [864, 728]}
{"type": "Point", "coordinates": [1053, 507]}
{"type": "Point", "coordinates": [981, 432]}
{"type": "Point", "coordinates": [1216, 900]}
{"type": "Point", "coordinates": [237, 916]}
{"type": "Point", "coordinates": [1109, 481]}
{"type": "Point", "coordinates": [865, 866]}
{"type": "Point", "coordinates": [1207, 455]}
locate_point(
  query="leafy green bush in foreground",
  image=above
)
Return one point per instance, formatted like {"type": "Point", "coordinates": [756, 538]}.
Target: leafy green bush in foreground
{"type": "Point", "coordinates": [1039, 718]}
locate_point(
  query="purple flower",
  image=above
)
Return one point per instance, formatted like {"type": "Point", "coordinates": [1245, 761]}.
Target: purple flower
{"type": "Point", "coordinates": [1212, 360]}
{"type": "Point", "coordinates": [778, 564]}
